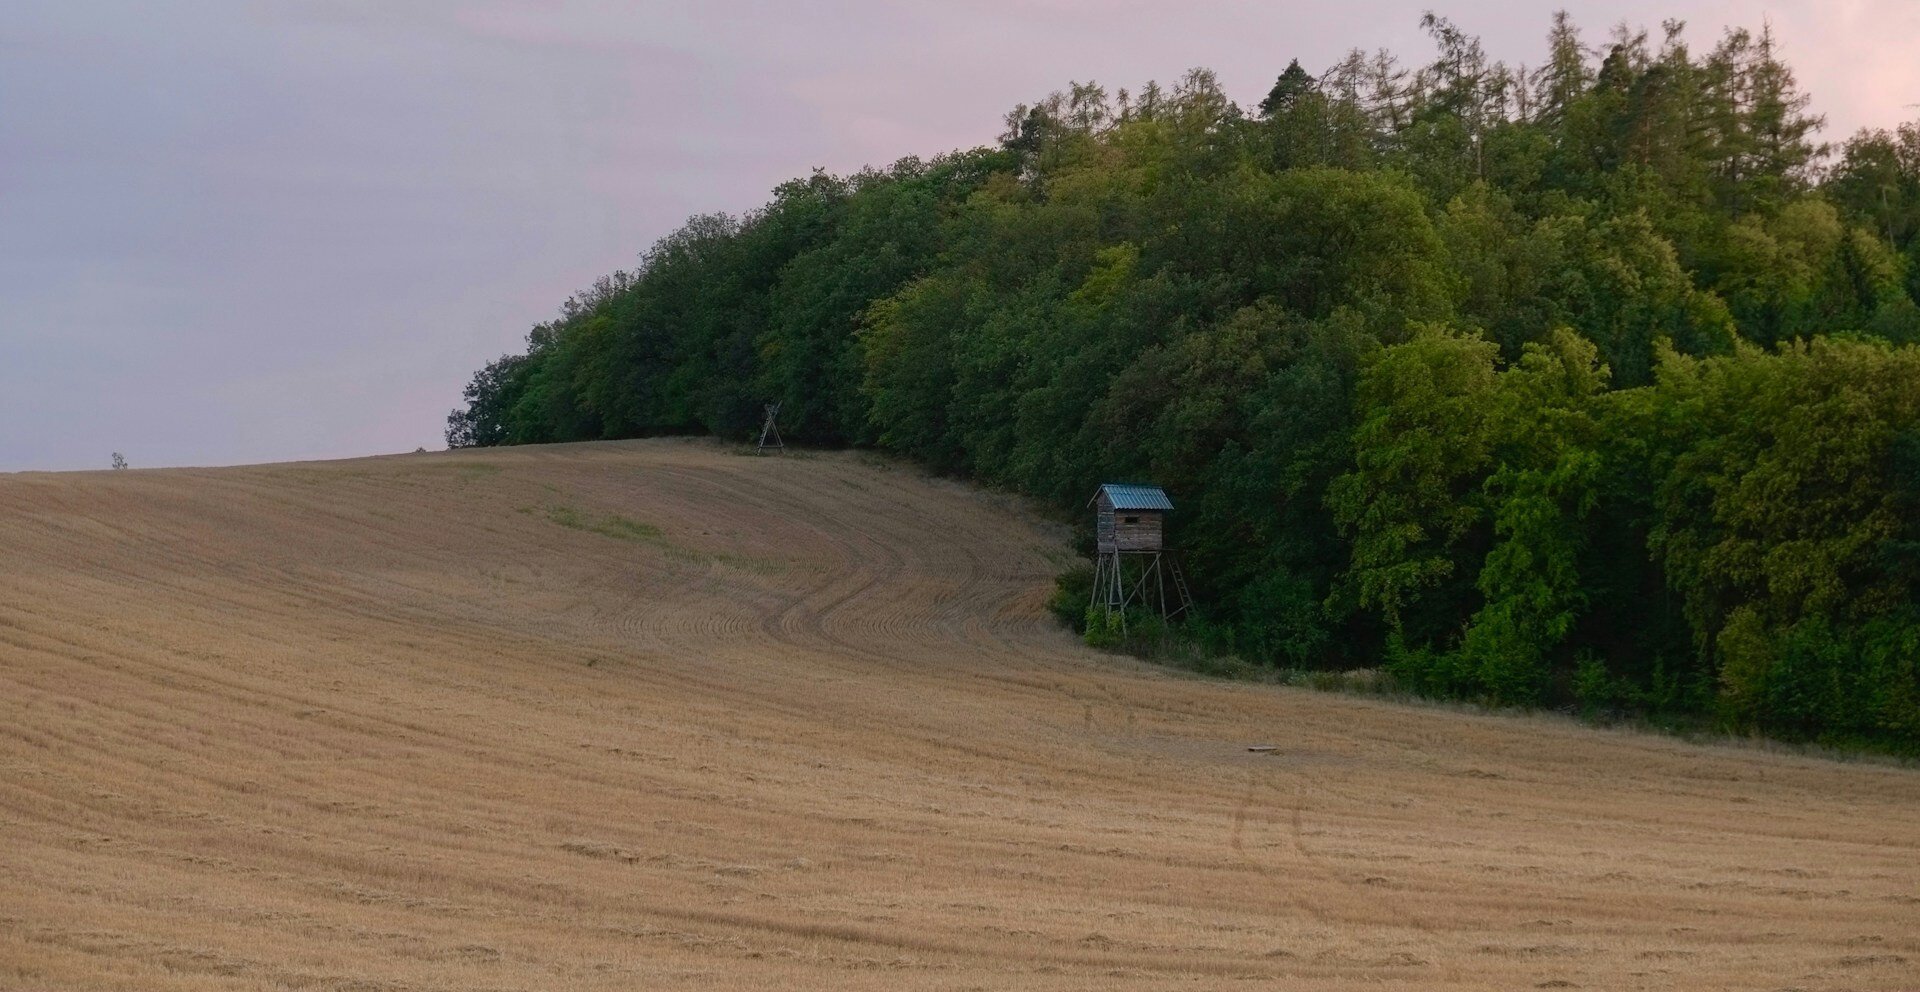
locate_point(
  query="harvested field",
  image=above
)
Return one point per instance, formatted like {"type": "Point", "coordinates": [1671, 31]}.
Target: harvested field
{"type": "Point", "coordinates": [654, 715]}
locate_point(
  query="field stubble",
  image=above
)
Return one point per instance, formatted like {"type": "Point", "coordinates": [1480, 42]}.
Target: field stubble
{"type": "Point", "coordinates": [649, 715]}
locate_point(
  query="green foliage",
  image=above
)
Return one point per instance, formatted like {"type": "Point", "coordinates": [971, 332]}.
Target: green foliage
{"type": "Point", "coordinates": [1575, 386]}
{"type": "Point", "coordinates": [1104, 628]}
{"type": "Point", "coordinates": [1546, 434]}
{"type": "Point", "coordinates": [488, 418]}
{"type": "Point", "coordinates": [1419, 448]}
{"type": "Point", "coordinates": [1783, 521]}
{"type": "Point", "coordinates": [1072, 590]}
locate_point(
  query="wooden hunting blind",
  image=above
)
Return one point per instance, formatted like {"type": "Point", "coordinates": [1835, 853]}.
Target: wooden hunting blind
{"type": "Point", "coordinates": [1132, 566]}
{"type": "Point", "coordinates": [1128, 518]}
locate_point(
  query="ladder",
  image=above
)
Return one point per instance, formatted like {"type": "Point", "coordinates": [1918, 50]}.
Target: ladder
{"type": "Point", "coordinates": [769, 432]}
{"type": "Point", "coordinates": [1179, 585]}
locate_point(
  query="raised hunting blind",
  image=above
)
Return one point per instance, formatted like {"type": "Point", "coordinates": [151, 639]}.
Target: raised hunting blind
{"type": "Point", "coordinates": [1132, 565]}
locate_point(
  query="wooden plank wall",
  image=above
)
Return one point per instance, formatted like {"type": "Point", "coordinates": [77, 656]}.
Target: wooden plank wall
{"type": "Point", "coordinates": [1112, 532]}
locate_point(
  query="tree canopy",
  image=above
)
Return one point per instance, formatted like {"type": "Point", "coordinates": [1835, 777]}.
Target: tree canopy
{"type": "Point", "coordinates": [1593, 383]}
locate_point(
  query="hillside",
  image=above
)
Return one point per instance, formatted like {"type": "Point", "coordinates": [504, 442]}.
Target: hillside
{"type": "Point", "coordinates": [1592, 384]}
{"type": "Point", "coordinates": [655, 715]}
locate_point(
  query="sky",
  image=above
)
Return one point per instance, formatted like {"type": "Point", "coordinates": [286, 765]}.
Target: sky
{"type": "Point", "coordinates": [237, 232]}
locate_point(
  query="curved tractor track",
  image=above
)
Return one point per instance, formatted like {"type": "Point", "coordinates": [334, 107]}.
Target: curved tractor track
{"type": "Point", "coordinates": [656, 715]}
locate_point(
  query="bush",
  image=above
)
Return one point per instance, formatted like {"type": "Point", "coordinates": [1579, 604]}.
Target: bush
{"type": "Point", "coordinates": [1071, 591]}
{"type": "Point", "coordinates": [1104, 628]}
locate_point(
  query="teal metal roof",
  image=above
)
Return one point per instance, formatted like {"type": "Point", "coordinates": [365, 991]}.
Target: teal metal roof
{"type": "Point", "coordinates": [1124, 497]}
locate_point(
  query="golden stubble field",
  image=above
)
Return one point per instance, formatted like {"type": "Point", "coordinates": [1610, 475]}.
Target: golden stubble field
{"type": "Point", "coordinates": [653, 715]}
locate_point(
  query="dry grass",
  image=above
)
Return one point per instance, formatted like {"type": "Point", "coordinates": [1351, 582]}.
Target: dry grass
{"type": "Point", "coordinates": [647, 715]}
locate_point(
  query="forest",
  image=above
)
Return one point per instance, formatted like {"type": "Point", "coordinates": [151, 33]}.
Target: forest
{"type": "Point", "coordinates": [1590, 384]}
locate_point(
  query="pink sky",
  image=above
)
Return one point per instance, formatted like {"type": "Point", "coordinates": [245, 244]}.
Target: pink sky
{"type": "Point", "coordinates": [239, 231]}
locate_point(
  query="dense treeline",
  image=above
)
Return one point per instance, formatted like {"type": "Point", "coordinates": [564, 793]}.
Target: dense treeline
{"type": "Point", "coordinates": [1593, 383]}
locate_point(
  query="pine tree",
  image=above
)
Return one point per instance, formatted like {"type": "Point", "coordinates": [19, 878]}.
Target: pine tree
{"type": "Point", "coordinates": [1781, 135]}
{"type": "Point", "coordinates": [1566, 74]}
{"type": "Point", "coordinates": [1288, 90]}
